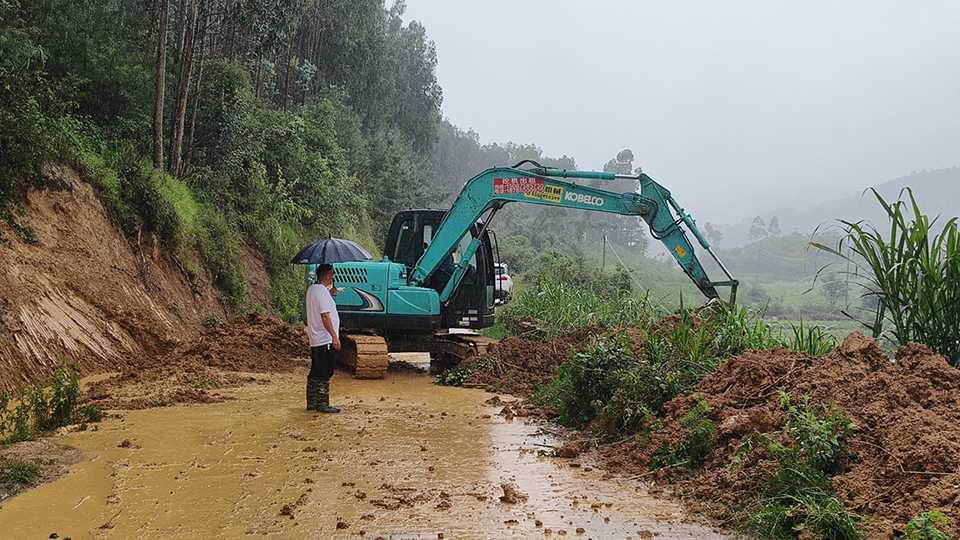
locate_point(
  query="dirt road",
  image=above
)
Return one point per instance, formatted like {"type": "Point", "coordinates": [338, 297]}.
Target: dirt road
{"type": "Point", "coordinates": [405, 459]}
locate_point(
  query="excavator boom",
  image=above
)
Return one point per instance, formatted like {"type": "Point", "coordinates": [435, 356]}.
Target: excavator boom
{"type": "Point", "coordinates": [493, 188]}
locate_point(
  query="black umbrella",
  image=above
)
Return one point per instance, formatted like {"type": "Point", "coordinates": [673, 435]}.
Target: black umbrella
{"type": "Point", "coordinates": [331, 250]}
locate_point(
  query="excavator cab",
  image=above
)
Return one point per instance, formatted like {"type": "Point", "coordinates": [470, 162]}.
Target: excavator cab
{"type": "Point", "coordinates": [412, 231]}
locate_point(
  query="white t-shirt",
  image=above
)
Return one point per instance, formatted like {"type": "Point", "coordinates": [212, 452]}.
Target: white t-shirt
{"type": "Point", "coordinates": [319, 302]}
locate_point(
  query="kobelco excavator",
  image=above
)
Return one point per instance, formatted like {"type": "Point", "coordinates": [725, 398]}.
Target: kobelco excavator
{"type": "Point", "coordinates": [437, 270]}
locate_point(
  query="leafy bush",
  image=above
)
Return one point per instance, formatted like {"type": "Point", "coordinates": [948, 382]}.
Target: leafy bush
{"type": "Point", "coordinates": [926, 527]}
{"type": "Point", "coordinates": [625, 414]}
{"type": "Point", "coordinates": [551, 266]}
{"type": "Point", "coordinates": [41, 408]}
{"type": "Point", "coordinates": [589, 379]}
{"type": "Point", "coordinates": [796, 500]}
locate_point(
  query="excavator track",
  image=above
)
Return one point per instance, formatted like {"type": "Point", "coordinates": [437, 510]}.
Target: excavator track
{"type": "Point", "coordinates": [446, 350]}
{"type": "Point", "coordinates": [364, 354]}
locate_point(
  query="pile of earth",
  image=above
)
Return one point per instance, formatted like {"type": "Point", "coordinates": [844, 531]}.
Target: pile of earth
{"type": "Point", "coordinates": [903, 456]}
{"type": "Point", "coordinates": [522, 365]}
{"type": "Point", "coordinates": [222, 356]}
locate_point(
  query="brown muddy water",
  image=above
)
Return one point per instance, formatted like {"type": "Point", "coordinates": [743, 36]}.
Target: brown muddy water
{"type": "Point", "coordinates": [404, 460]}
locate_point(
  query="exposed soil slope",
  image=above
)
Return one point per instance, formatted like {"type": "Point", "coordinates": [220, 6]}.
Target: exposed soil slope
{"type": "Point", "coordinates": [83, 292]}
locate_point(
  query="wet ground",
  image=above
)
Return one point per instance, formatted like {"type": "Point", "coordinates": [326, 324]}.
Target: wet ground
{"type": "Point", "coordinates": [404, 460]}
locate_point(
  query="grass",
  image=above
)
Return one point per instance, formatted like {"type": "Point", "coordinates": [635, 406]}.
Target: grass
{"type": "Point", "coordinates": [912, 272]}
{"type": "Point", "coordinates": [562, 307]}
{"type": "Point", "coordinates": [16, 472]}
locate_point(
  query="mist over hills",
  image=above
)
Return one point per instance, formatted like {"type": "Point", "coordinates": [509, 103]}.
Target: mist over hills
{"type": "Point", "coordinates": [937, 192]}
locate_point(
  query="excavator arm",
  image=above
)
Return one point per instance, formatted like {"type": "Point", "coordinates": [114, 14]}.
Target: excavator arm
{"type": "Point", "coordinates": [491, 189]}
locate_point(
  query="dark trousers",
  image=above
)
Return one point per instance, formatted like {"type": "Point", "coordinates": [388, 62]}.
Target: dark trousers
{"type": "Point", "coordinates": [322, 361]}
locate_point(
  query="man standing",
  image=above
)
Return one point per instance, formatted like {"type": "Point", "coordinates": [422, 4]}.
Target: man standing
{"type": "Point", "coordinates": [323, 330]}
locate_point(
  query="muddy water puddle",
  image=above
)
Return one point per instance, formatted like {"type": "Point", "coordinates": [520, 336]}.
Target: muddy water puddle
{"type": "Point", "coordinates": [404, 460]}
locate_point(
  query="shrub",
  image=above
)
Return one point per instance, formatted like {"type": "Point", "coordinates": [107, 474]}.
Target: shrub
{"type": "Point", "coordinates": [926, 527]}
{"type": "Point", "coordinates": [796, 499]}
{"type": "Point", "coordinates": [589, 379]}
{"type": "Point", "coordinates": [41, 408]}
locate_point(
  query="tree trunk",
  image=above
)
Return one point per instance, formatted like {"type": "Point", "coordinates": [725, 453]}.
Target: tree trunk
{"type": "Point", "coordinates": [161, 84]}
{"type": "Point", "coordinates": [183, 88]}
{"type": "Point", "coordinates": [196, 93]}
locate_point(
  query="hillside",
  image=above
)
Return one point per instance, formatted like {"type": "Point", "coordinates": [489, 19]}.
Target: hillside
{"type": "Point", "coordinates": [81, 292]}
{"type": "Point", "coordinates": [937, 192]}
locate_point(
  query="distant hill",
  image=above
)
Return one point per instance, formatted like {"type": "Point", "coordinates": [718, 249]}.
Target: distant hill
{"type": "Point", "coordinates": [936, 192]}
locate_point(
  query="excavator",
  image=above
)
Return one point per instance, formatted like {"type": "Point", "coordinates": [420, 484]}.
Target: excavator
{"type": "Point", "coordinates": [437, 271]}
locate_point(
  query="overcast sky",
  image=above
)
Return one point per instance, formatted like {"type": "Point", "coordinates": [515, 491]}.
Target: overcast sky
{"type": "Point", "coordinates": [737, 107]}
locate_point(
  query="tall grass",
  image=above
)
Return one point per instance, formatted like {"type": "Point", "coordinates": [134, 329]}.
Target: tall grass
{"type": "Point", "coordinates": [912, 271]}
{"type": "Point", "coordinates": [561, 307]}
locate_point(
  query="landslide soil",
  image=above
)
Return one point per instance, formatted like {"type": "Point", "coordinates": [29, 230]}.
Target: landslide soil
{"type": "Point", "coordinates": [904, 454]}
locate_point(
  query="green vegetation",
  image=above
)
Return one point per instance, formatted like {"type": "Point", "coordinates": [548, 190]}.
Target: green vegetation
{"type": "Point", "coordinates": [693, 451]}
{"type": "Point", "coordinates": [796, 498]}
{"type": "Point", "coordinates": [16, 472]}
{"type": "Point", "coordinates": [618, 384]}
{"type": "Point", "coordinates": [44, 407]}
{"type": "Point", "coordinates": [562, 307]}
{"type": "Point", "coordinates": [271, 136]}
{"type": "Point", "coordinates": [926, 527]}
{"type": "Point", "coordinates": [911, 273]}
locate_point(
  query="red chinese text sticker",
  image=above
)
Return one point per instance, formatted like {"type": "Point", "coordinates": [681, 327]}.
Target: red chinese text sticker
{"type": "Point", "coordinates": [506, 186]}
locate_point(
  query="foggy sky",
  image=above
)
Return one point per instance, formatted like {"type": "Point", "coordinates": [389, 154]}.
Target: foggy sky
{"type": "Point", "coordinates": [737, 107]}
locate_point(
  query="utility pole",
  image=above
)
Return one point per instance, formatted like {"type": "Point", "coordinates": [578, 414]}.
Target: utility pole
{"type": "Point", "coordinates": [604, 264]}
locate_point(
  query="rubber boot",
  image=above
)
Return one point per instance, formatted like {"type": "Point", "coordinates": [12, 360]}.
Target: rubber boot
{"type": "Point", "coordinates": [323, 403]}
{"type": "Point", "coordinates": [313, 394]}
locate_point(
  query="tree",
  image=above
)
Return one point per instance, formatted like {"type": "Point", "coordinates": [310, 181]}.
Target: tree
{"type": "Point", "coordinates": [713, 234]}
{"type": "Point", "coordinates": [758, 229]}
{"type": "Point", "coordinates": [161, 84]}
{"type": "Point", "coordinates": [833, 289]}
{"type": "Point", "coordinates": [773, 229]}
{"type": "Point", "coordinates": [621, 164]}
{"type": "Point", "coordinates": [187, 47]}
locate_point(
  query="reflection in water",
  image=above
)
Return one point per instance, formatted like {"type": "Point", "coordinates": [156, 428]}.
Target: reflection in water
{"type": "Point", "coordinates": [404, 460]}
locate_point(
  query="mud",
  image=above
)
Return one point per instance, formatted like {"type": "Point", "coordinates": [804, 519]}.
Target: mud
{"type": "Point", "coordinates": [405, 459]}
{"type": "Point", "coordinates": [79, 291]}
{"type": "Point", "coordinates": [224, 356]}
{"type": "Point", "coordinates": [522, 365]}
